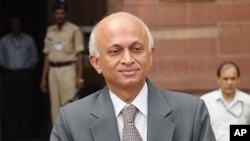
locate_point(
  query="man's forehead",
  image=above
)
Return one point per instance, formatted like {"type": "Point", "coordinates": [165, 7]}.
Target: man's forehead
{"type": "Point", "coordinates": [117, 23]}
{"type": "Point", "coordinates": [228, 66]}
{"type": "Point", "coordinates": [229, 71]}
{"type": "Point", "coordinates": [120, 17]}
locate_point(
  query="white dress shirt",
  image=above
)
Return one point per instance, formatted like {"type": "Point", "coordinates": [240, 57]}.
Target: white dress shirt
{"type": "Point", "coordinates": [18, 53]}
{"type": "Point", "coordinates": [223, 114]}
{"type": "Point", "coordinates": [141, 102]}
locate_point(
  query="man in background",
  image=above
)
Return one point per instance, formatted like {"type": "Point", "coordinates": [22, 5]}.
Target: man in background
{"type": "Point", "coordinates": [63, 60]}
{"type": "Point", "coordinates": [18, 58]}
{"type": "Point", "coordinates": [227, 105]}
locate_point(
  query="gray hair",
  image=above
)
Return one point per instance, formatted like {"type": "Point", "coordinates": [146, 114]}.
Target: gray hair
{"type": "Point", "coordinates": [93, 48]}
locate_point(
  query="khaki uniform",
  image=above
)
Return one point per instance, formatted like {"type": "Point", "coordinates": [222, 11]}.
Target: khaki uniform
{"type": "Point", "coordinates": [62, 46]}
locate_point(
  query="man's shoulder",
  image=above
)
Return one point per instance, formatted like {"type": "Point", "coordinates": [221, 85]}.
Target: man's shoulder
{"type": "Point", "coordinates": [51, 27]}
{"type": "Point", "coordinates": [183, 99]}
{"type": "Point", "coordinates": [210, 94]}
{"type": "Point", "coordinates": [243, 93]}
{"type": "Point", "coordinates": [244, 96]}
{"type": "Point", "coordinates": [182, 103]}
{"type": "Point", "coordinates": [170, 95]}
{"type": "Point", "coordinates": [5, 37]}
{"type": "Point", "coordinates": [180, 95]}
{"type": "Point", "coordinates": [83, 104]}
{"type": "Point", "coordinates": [72, 26]}
{"type": "Point", "coordinates": [26, 35]}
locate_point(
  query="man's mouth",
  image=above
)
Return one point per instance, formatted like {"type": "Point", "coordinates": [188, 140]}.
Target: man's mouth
{"type": "Point", "coordinates": [129, 72]}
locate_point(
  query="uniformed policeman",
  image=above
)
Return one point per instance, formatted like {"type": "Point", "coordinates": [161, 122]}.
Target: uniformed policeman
{"type": "Point", "coordinates": [63, 60]}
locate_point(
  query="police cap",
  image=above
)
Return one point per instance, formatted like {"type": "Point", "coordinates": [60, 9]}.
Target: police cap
{"type": "Point", "coordinates": [59, 4]}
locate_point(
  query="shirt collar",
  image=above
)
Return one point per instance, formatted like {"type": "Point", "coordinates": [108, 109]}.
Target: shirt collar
{"type": "Point", "coordinates": [219, 96]}
{"type": "Point", "coordinates": [236, 97]}
{"type": "Point", "coordinates": [63, 27]}
{"type": "Point", "coordinates": [141, 101]}
{"type": "Point", "coordinates": [20, 35]}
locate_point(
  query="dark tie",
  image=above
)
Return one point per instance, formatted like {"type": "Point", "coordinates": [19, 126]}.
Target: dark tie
{"type": "Point", "coordinates": [130, 133]}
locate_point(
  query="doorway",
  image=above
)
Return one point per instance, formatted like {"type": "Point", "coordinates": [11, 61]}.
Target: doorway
{"type": "Point", "coordinates": [35, 16]}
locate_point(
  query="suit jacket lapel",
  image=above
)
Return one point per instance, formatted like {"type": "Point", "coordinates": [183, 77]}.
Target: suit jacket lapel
{"type": "Point", "coordinates": [159, 127]}
{"type": "Point", "coordinates": [105, 126]}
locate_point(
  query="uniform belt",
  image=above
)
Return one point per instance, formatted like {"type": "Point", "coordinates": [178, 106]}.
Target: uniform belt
{"type": "Point", "coordinates": [61, 64]}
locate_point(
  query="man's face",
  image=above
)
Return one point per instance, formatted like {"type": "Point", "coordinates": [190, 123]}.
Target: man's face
{"type": "Point", "coordinates": [15, 25]}
{"type": "Point", "coordinates": [125, 59]}
{"type": "Point", "coordinates": [229, 80]}
{"type": "Point", "coordinates": [60, 16]}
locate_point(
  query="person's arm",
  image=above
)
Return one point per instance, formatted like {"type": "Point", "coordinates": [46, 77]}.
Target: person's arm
{"type": "Point", "coordinates": [202, 128]}
{"type": "Point", "coordinates": [60, 131]}
{"type": "Point", "coordinates": [1, 53]}
{"type": "Point", "coordinates": [43, 84]}
{"type": "Point", "coordinates": [79, 63]}
{"type": "Point", "coordinates": [33, 52]}
{"type": "Point", "coordinates": [79, 47]}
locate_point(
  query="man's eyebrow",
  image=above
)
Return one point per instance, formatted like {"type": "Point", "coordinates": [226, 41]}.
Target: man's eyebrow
{"type": "Point", "coordinates": [133, 43]}
{"type": "Point", "coordinates": [114, 45]}
{"type": "Point", "coordinates": [229, 77]}
{"type": "Point", "coordinates": [137, 42]}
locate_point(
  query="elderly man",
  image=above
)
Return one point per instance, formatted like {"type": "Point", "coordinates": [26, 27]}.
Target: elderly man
{"type": "Point", "coordinates": [130, 107]}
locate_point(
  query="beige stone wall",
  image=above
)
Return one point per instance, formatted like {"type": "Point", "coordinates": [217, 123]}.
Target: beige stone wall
{"type": "Point", "coordinates": [193, 38]}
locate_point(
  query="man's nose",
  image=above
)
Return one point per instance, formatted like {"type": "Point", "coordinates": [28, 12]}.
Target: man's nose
{"type": "Point", "coordinates": [127, 57]}
{"type": "Point", "coordinates": [229, 81]}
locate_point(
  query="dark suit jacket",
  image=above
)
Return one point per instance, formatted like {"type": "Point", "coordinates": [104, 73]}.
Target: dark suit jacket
{"type": "Point", "coordinates": [172, 116]}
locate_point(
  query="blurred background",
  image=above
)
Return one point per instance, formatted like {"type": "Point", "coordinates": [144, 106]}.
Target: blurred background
{"type": "Point", "coordinates": [192, 37]}
{"type": "Point", "coordinates": [36, 17]}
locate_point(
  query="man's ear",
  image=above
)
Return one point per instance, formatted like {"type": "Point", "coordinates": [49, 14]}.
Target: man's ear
{"type": "Point", "coordinates": [94, 61]}
{"type": "Point", "coordinates": [218, 80]}
{"type": "Point", "coordinates": [151, 55]}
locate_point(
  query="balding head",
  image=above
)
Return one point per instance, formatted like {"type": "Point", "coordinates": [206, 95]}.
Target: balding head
{"type": "Point", "coordinates": [120, 22]}
{"type": "Point", "coordinates": [227, 65]}
{"type": "Point", "coordinates": [121, 49]}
